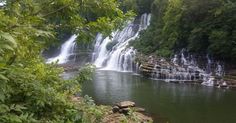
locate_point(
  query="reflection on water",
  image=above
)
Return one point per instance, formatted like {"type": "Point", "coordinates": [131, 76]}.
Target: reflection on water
{"type": "Point", "coordinates": [167, 102]}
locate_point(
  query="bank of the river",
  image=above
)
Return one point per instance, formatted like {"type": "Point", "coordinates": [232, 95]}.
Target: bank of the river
{"type": "Point", "coordinates": [124, 112]}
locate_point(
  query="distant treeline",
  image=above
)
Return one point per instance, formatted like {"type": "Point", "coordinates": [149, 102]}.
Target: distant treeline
{"type": "Point", "coordinates": [199, 26]}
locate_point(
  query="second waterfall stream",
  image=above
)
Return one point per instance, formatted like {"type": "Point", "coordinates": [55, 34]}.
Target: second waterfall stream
{"type": "Point", "coordinates": [114, 53]}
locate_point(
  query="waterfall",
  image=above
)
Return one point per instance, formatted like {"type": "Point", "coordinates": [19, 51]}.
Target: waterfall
{"type": "Point", "coordinates": [2, 3]}
{"type": "Point", "coordinates": [184, 67]}
{"type": "Point", "coordinates": [114, 53]}
{"type": "Point", "coordinates": [67, 49]}
{"type": "Point", "coordinates": [209, 63]}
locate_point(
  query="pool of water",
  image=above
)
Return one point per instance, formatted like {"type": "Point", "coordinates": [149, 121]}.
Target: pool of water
{"type": "Point", "coordinates": [166, 102]}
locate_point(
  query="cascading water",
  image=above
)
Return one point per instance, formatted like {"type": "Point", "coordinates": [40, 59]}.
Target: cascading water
{"type": "Point", "coordinates": [114, 54]}
{"type": "Point", "coordinates": [182, 68]}
{"type": "Point", "coordinates": [2, 3]}
{"type": "Point", "coordinates": [119, 57]}
{"type": "Point", "coordinates": [67, 49]}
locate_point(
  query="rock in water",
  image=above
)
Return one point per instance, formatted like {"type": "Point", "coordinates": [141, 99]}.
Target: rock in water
{"type": "Point", "coordinates": [125, 104]}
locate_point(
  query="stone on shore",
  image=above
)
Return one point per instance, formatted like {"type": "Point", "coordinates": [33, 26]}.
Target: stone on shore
{"type": "Point", "coordinates": [124, 111]}
{"type": "Point", "coordinates": [125, 104]}
{"type": "Point", "coordinates": [115, 109]}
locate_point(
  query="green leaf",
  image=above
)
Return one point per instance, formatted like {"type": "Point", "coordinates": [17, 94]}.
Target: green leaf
{"type": "Point", "coordinates": [9, 38]}
{"type": "Point", "coordinates": [7, 47]}
{"type": "Point", "coordinates": [2, 96]}
{"type": "Point", "coordinates": [3, 108]}
{"type": "Point", "coordinates": [2, 64]}
{"type": "Point", "coordinates": [43, 33]}
{"type": "Point", "coordinates": [2, 77]}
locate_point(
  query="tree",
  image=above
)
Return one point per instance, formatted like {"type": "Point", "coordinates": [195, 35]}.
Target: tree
{"type": "Point", "coordinates": [200, 26]}
{"type": "Point", "coordinates": [30, 90]}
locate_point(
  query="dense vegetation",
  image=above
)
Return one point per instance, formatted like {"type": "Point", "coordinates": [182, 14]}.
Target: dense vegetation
{"type": "Point", "coordinates": [30, 90]}
{"type": "Point", "coordinates": [138, 6]}
{"type": "Point", "coordinates": [199, 26]}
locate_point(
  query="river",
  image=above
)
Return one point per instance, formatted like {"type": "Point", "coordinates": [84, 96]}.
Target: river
{"type": "Point", "coordinates": [165, 102]}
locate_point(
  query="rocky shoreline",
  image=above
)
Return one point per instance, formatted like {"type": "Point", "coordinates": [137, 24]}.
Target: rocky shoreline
{"type": "Point", "coordinates": [125, 111]}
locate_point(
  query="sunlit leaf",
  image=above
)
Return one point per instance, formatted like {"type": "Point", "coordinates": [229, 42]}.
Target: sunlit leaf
{"type": "Point", "coordinates": [9, 38]}
{"type": "Point", "coordinates": [2, 77]}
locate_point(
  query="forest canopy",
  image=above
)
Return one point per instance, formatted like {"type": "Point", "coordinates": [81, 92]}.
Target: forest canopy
{"type": "Point", "coordinates": [199, 26]}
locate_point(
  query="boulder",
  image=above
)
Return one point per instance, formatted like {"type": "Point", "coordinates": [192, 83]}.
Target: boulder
{"type": "Point", "coordinates": [125, 104]}
{"type": "Point", "coordinates": [115, 109]}
{"type": "Point", "coordinates": [124, 111]}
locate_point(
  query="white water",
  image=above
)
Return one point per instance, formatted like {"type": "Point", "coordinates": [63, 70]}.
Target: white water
{"type": "Point", "coordinates": [2, 3]}
{"type": "Point", "coordinates": [191, 70]}
{"type": "Point", "coordinates": [182, 68]}
{"type": "Point", "coordinates": [209, 82]}
{"type": "Point", "coordinates": [120, 57]}
{"type": "Point", "coordinates": [67, 49]}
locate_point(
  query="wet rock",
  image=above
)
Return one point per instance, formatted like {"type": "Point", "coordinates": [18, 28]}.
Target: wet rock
{"type": "Point", "coordinates": [115, 109]}
{"type": "Point", "coordinates": [232, 86]}
{"type": "Point", "coordinates": [141, 110]}
{"type": "Point", "coordinates": [124, 111]}
{"type": "Point", "coordinates": [121, 110]}
{"type": "Point", "coordinates": [125, 104]}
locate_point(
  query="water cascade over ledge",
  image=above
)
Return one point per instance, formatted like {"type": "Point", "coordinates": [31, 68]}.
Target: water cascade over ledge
{"type": "Point", "coordinates": [67, 49]}
{"type": "Point", "coordinates": [184, 67]}
{"type": "Point", "coordinates": [114, 53]}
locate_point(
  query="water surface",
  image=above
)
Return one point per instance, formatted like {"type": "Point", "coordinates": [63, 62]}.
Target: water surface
{"type": "Point", "coordinates": [166, 102]}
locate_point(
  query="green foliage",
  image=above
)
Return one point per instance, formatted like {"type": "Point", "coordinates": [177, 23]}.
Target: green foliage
{"type": "Point", "coordinates": [30, 90]}
{"type": "Point", "coordinates": [200, 26]}
{"type": "Point", "coordinates": [127, 5]}
{"type": "Point", "coordinates": [138, 6]}
{"type": "Point", "coordinates": [91, 112]}
{"type": "Point", "coordinates": [34, 93]}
